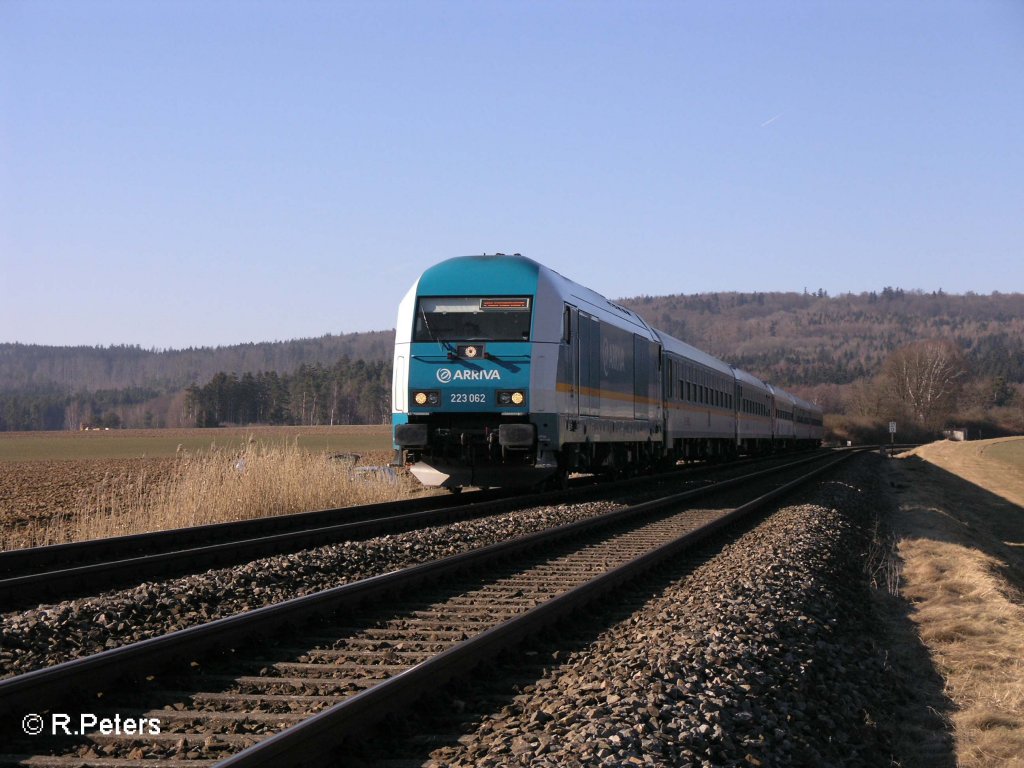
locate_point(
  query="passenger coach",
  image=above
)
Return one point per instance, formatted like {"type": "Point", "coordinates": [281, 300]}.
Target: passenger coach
{"type": "Point", "coordinates": [507, 373]}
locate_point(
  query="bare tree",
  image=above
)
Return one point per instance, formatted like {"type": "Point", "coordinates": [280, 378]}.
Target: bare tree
{"type": "Point", "coordinates": [868, 398]}
{"type": "Point", "coordinates": [926, 377]}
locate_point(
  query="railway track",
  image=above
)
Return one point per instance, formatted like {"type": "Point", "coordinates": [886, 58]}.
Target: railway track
{"type": "Point", "coordinates": [50, 571]}
{"type": "Point", "coordinates": [288, 683]}
{"type": "Point", "coordinates": [31, 576]}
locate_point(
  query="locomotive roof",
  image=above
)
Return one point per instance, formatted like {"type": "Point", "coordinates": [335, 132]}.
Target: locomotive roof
{"type": "Point", "coordinates": [517, 274]}
{"type": "Point", "coordinates": [463, 275]}
{"type": "Point", "coordinates": [589, 300]}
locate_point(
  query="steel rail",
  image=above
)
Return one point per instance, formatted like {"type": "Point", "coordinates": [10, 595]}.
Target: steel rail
{"type": "Point", "coordinates": [21, 562]}
{"type": "Point", "coordinates": [82, 680]}
{"type": "Point", "coordinates": [28, 589]}
{"type": "Point", "coordinates": [316, 737]}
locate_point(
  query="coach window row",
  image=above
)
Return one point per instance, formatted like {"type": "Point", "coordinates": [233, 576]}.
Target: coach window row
{"type": "Point", "coordinates": [814, 420]}
{"type": "Point", "coordinates": [755, 408]}
{"type": "Point", "coordinates": [694, 384]}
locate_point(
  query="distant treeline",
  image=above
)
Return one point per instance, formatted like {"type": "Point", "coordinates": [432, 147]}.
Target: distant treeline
{"type": "Point", "coordinates": [50, 407]}
{"type": "Point", "coordinates": [348, 392]}
{"type": "Point", "coordinates": [77, 369]}
{"type": "Point", "coordinates": [830, 349]}
{"type": "Point", "coordinates": [345, 393]}
{"type": "Point", "coordinates": [55, 388]}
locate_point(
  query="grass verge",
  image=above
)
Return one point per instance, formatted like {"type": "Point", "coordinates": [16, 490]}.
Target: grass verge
{"type": "Point", "coordinates": [963, 575]}
{"type": "Point", "coordinates": [254, 479]}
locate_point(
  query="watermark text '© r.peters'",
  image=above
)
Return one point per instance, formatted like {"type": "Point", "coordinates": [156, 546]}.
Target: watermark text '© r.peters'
{"type": "Point", "coordinates": [63, 724]}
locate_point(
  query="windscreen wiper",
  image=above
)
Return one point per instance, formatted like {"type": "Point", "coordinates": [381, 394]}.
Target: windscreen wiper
{"type": "Point", "coordinates": [426, 324]}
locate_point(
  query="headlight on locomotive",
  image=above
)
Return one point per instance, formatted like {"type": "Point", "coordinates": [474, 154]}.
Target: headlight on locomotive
{"type": "Point", "coordinates": [511, 397]}
{"type": "Point", "coordinates": [427, 397]}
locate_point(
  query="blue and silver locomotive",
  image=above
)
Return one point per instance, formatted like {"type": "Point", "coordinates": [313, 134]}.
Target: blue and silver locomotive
{"type": "Point", "coordinates": [507, 373]}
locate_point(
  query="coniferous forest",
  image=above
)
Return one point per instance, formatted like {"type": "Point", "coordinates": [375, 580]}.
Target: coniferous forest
{"type": "Point", "coordinates": [849, 353]}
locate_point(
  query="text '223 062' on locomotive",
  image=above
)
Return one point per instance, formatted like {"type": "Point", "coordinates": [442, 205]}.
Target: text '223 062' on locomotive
{"type": "Point", "coordinates": [507, 373]}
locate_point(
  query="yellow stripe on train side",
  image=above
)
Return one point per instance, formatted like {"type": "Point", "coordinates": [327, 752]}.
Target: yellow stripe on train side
{"type": "Point", "coordinates": [607, 394]}
{"type": "Point", "coordinates": [675, 406]}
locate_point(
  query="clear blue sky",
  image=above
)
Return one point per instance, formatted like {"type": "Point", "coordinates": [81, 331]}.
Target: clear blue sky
{"type": "Point", "coordinates": [192, 173]}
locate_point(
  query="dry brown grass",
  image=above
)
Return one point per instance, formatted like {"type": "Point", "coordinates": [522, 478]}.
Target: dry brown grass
{"type": "Point", "coordinates": [211, 486]}
{"type": "Point", "coordinates": [961, 574]}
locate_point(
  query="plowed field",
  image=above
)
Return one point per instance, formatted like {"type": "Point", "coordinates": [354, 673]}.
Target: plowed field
{"type": "Point", "coordinates": [35, 490]}
{"type": "Point", "coordinates": [44, 475]}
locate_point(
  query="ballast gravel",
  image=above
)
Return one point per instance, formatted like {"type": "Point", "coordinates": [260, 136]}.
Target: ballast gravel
{"type": "Point", "coordinates": [766, 654]}
{"type": "Point", "coordinates": [55, 633]}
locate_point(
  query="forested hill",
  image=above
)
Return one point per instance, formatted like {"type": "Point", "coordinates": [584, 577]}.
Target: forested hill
{"type": "Point", "coordinates": [808, 339]}
{"type": "Point", "coordinates": [833, 350]}
{"type": "Point", "coordinates": [787, 338]}
{"type": "Point", "coordinates": [29, 366]}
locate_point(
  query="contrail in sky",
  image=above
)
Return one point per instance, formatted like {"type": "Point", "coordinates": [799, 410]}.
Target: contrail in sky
{"type": "Point", "coordinates": [771, 120]}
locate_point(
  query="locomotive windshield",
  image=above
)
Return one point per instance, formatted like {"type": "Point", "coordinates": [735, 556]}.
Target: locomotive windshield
{"type": "Point", "coordinates": [473, 318]}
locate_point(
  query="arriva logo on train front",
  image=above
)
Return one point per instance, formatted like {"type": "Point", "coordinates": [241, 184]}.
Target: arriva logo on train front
{"type": "Point", "coordinates": [446, 375]}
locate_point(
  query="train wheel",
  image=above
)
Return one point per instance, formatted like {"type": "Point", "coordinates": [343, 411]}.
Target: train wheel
{"type": "Point", "coordinates": [560, 482]}
{"type": "Point", "coordinates": [557, 482]}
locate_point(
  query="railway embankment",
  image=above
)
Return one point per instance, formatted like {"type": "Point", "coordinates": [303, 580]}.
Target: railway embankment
{"type": "Point", "coordinates": [958, 525]}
